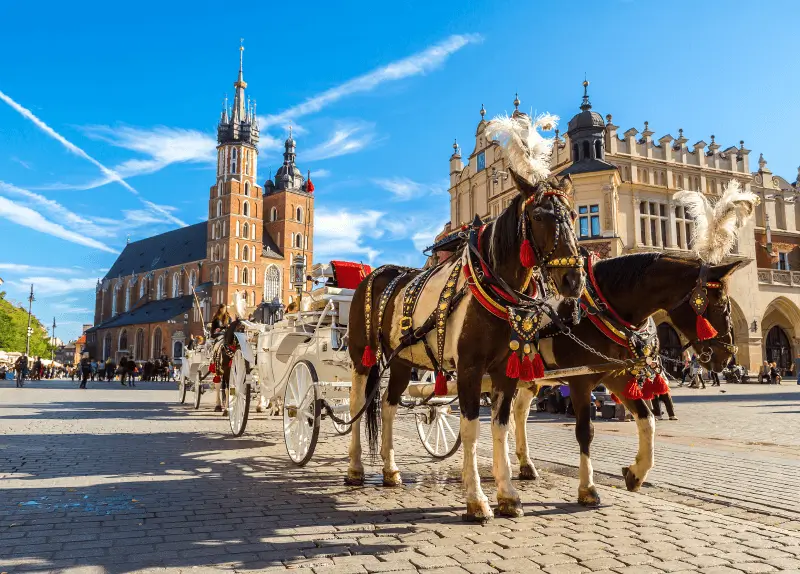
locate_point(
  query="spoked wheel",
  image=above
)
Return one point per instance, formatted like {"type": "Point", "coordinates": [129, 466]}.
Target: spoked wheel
{"type": "Point", "coordinates": [181, 390]}
{"type": "Point", "coordinates": [439, 431]}
{"type": "Point", "coordinates": [198, 391]}
{"type": "Point", "coordinates": [345, 416]}
{"type": "Point", "coordinates": [238, 394]}
{"type": "Point", "coordinates": [301, 413]}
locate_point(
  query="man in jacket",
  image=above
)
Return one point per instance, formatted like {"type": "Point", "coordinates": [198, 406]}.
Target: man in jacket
{"type": "Point", "coordinates": [21, 366]}
{"type": "Point", "coordinates": [86, 370]}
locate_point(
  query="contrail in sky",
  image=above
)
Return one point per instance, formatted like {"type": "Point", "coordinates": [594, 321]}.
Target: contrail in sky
{"type": "Point", "coordinates": [26, 113]}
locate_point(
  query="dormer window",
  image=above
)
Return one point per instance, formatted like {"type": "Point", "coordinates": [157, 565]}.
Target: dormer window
{"type": "Point", "coordinates": [587, 150]}
{"type": "Point", "coordinates": [575, 152]}
{"type": "Point", "coordinates": [598, 150]}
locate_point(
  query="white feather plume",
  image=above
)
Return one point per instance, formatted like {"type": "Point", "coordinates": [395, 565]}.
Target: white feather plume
{"type": "Point", "coordinates": [240, 306]}
{"type": "Point", "coordinates": [716, 226]}
{"type": "Point", "coordinates": [527, 150]}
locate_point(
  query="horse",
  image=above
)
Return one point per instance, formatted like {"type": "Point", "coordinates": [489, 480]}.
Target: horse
{"type": "Point", "coordinates": [456, 311]}
{"type": "Point", "coordinates": [631, 289]}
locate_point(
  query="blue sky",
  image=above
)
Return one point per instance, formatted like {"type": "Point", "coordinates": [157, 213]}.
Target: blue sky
{"type": "Point", "coordinates": [108, 110]}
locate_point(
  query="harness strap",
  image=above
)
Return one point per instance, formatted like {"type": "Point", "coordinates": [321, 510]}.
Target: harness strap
{"type": "Point", "coordinates": [443, 309]}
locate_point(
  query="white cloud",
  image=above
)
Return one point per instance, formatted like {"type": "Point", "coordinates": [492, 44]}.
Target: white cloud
{"type": "Point", "coordinates": [414, 65]}
{"type": "Point", "coordinates": [50, 286]}
{"type": "Point", "coordinates": [320, 173]}
{"type": "Point", "coordinates": [24, 164]}
{"type": "Point", "coordinates": [27, 217]}
{"type": "Point", "coordinates": [22, 268]}
{"type": "Point", "coordinates": [342, 233]}
{"type": "Point", "coordinates": [405, 189]}
{"type": "Point", "coordinates": [65, 309]}
{"type": "Point", "coordinates": [26, 113]}
{"type": "Point", "coordinates": [347, 137]}
{"type": "Point", "coordinates": [425, 237]}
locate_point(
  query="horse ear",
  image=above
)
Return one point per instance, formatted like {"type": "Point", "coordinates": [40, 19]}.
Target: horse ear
{"type": "Point", "coordinates": [565, 185]}
{"type": "Point", "coordinates": [526, 188]}
{"type": "Point", "coordinates": [723, 271]}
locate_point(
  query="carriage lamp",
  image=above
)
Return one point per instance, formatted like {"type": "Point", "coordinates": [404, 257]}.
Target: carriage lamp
{"type": "Point", "coordinates": [299, 275]}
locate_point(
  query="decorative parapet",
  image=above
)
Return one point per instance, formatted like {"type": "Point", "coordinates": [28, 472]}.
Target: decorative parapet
{"type": "Point", "coordinates": [779, 277]}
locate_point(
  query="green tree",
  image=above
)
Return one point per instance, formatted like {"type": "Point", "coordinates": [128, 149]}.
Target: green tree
{"type": "Point", "coordinates": [13, 324]}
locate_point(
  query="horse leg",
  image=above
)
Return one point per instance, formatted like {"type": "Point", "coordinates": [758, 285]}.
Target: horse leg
{"type": "Point", "coordinates": [398, 381]}
{"type": "Point", "coordinates": [581, 396]}
{"type": "Point", "coordinates": [522, 406]}
{"type": "Point", "coordinates": [355, 471]}
{"type": "Point", "coordinates": [636, 473]}
{"type": "Point", "coordinates": [508, 502]}
{"type": "Point", "coordinates": [469, 400]}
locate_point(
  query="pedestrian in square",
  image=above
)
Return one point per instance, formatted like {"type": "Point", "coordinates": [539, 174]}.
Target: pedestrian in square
{"type": "Point", "coordinates": [86, 370]}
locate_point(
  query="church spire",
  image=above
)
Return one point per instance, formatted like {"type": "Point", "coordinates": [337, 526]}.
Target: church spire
{"type": "Point", "coordinates": [239, 110]}
{"type": "Point", "coordinates": [239, 125]}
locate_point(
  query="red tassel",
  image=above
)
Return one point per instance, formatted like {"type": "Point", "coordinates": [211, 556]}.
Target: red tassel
{"type": "Point", "coordinates": [217, 379]}
{"type": "Point", "coordinates": [526, 369]}
{"type": "Point", "coordinates": [368, 358]}
{"type": "Point", "coordinates": [440, 388]}
{"type": "Point", "coordinates": [212, 368]}
{"type": "Point", "coordinates": [660, 385]}
{"type": "Point", "coordinates": [647, 389]}
{"type": "Point", "coordinates": [632, 390]}
{"type": "Point", "coordinates": [705, 330]}
{"type": "Point", "coordinates": [526, 254]}
{"type": "Point", "coordinates": [615, 398]}
{"type": "Point", "coordinates": [512, 366]}
{"type": "Point", "coordinates": [538, 366]}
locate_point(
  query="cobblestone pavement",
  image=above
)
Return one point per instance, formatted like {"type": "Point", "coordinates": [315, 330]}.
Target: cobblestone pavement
{"type": "Point", "coordinates": [115, 479]}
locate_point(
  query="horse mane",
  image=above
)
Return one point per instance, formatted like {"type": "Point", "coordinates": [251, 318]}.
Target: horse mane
{"type": "Point", "coordinates": [625, 272]}
{"type": "Point", "coordinates": [505, 232]}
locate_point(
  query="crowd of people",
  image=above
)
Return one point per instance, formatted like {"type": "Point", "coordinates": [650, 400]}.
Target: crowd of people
{"type": "Point", "coordinates": [126, 372]}
{"type": "Point", "coordinates": [34, 369]}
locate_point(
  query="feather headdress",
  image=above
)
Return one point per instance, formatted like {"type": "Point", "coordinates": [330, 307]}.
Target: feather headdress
{"type": "Point", "coordinates": [528, 151]}
{"type": "Point", "coordinates": [240, 305]}
{"type": "Point", "coordinates": [716, 226]}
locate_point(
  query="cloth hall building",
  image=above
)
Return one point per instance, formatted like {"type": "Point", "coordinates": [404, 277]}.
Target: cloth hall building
{"type": "Point", "coordinates": [144, 306]}
{"type": "Point", "coordinates": [624, 183]}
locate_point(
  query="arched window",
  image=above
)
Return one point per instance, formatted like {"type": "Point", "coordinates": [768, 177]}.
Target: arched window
{"type": "Point", "coordinates": [299, 214]}
{"type": "Point", "coordinates": [575, 152]}
{"type": "Point", "coordinates": [245, 253]}
{"type": "Point", "coordinates": [253, 298]}
{"type": "Point", "coordinates": [128, 290]}
{"type": "Point", "coordinates": [160, 290]}
{"type": "Point", "coordinates": [216, 276]}
{"type": "Point", "coordinates": [247, 188]}
{"type": "Point", "coordinates": [142, 284]}
{"type": "Point", "coordinates": [778, 348]}
{"type": "Point", "coordinates": [245, 277]}
{"type": "Point", "coordinates": [158, 349]}
{"type": "Point", "coordinates": [219, 208]}
{"type": "Point", "coordinates": [177, 350]}
{"type": "Point", "coordinates": [114, 297]}
{"type": "Point", "coordinates": [236, 251]}
{"type": "Point", "coordinates": [298, 240]}
{"type": "Point", "coordinates": [123, 341]}
{"type": "Point", "coordinates": [235, 274]}
{"type": "Point", "coordinates": [138, 349]}
{"type": "Point", "coordinates": [598, 150]}
{"type": "Point", "coordinates": [246, 209]}
{"type": "Point", "coordinates": [233, 160]}
{"type": "Point", "coordinates": [192, 280]}
{"type": "Point", "coordinates": [272, 284]}
{"type": "Point", "coordinates": [216, 253]}
{"type": "Point", "coordinates": [107, 346]}
{"type": "Point", "coordinates": [219, 189]}
{"type": "Point", "coordinates": [587, 150]}
{"type": "Point", "coordinates": [273, 214]}
{"type": "Point", "coordinates": [245, 231]}
{"type": "Point", "coordinates": [237, 229]}
{"type": "Point", "coordinates": [253, 232]}
{"type": "Point", "coordinates": [176, 284]}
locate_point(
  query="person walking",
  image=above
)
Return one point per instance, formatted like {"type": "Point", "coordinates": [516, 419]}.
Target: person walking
{"type": "Point", "coordinates": [697, 373]}
{"type": "Point", "coordinates": [21, 366]}
{"type": "Point", "coordinates": [86, 370]}
{"type": "Point", "coordinates": [666, 398]}
{"type": "Point", "coordinates": [714, 378]}
{"type": "Point", "coordinates": [687, 369]}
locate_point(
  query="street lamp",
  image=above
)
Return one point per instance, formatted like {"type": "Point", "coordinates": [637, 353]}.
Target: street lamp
{"type": "Point", "coordinates": [29, 332]}
{"type": "Point", "coordinates": [299, 277]}
{"type": "Point", "coordinates": [53, 342]}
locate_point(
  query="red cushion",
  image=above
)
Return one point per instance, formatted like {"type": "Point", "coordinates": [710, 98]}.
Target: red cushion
{"type": "Point", "coordinates": [348, 275]}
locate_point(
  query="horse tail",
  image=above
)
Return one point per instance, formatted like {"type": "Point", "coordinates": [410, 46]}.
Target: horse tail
{"type": "Point", "coordinates": [373, 408]}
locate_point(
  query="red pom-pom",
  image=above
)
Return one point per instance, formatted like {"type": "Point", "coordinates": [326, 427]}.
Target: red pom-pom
{"type": "Point", "coordinates": [440, 388]}
{"type": "Point", "coordinates": [512, 366]}
{"type": "Point", "coordinates": [632, 390]}
{"type": "Point", "coordinates": [538, 366]}
{"type": "Point", "coordinates": [368, 358]}
{"type": "Point", "coordinates": [526, 255]}
{"type": "Point", "coordinates": [526, 369]}
{"type": "Point", "coordinates": [217, 379]}
{"type": "Point", "coordinates": [705, 330]}
{"type": "Point", "coordinates": [212, 368]}
{"type": "Point", "coordinates": [647, 389]}
{"type": "Point", "coordinates": [615, 398]}
{"type": "Point", "coordinates": [660, 385]}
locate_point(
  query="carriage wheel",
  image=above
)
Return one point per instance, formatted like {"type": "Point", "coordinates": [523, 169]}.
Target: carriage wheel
{"type": "Point", "coordinates": [198, 391]}
{"type": "Point", "coordinates": [181, 390]}
{"type": "Point", "coordinates": [439, 431]}
{"type": "Point", "coordinates": [301, 413]}
{"type": "Point", "coordinates": [345, 416]}
{"type": "Point", "coordinates": [238, 394]}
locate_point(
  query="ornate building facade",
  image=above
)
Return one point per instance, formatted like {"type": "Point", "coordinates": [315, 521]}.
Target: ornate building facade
{"type": "Point", "coordinates": [145, 305]}
{"type": "Point", "coordinates": [624, 184]}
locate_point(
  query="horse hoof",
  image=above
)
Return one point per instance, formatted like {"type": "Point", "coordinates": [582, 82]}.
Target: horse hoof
{"type": "Point", "coordinates": [509, 508]}
{"type": "Point", "coordinates": [218, 409]}
{"type": "Point", "coordinates": [259, 409]}
{"type": "Point", "coordinates": [587, 496]}
{"type": "Point", "coordinates": [354, 478]}
{"type": "Point", "coordinates": [632, 482]}
{"type": "Point", "coordinates": [478, 512]}
{"type": "Point", "coordinates": [392, 478]}
{"type": "Point", "coordinates": [528, 472]}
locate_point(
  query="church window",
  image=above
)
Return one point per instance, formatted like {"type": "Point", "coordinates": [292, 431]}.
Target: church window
{"type": "Point", "coordinates": [219, 189]}
{"type": "Point", "coordinates": [272, 284]}
{"type": "Point", "coordinates": [219, 208]}
{"type": "Point", "coordinates": [273, 214]}
{"type": "Point", "coordinates": [216, 276]}
{"type": "Point", "coordinates": [138, 345]}
{"type": "Point", "coordinates": [235, 274]}
{"type": "Point", "coordinates": [298, 240]}
{"type": "Point", "coordinates": [224, 229]}
{"type": "Point", "coordinates": [233, 160]}
{"type": "Point", "coordinates": [481, 163]}
{"type": "Point", "coordinates": [245, 231]}
{"type": "Point", "coordinates": [176, 284]}
{"type": "Point", "coordinates": [160, 291]}
{"type": "Point", "coordinates": [587, 151]}
{"type": "Point", "coordinates": [157, 345]}
{"type": "Point", "coordinates": [246, 209]}
{"type": "Point", "coordinates": [253, 232]}
{"type": "Point", "coordinates": [114, 296]}
{"type": "Point", "coordinates": [123, 340]}
{"type": "Point", "coordinates": [192, 280]}
{"type": "Point", "coordinates": [142, 283]}
{"type": "Point", "coordinates": [300, 214]}
{"type": "Point", "coordinates": [236, 251]}
{"type": "Point", "coordinates": [253, 298]}
{"type": "Point", "coordinates": [598, 150]}
{"type": "Point", "coordinates": [247, 188]}
{"type": "Point", "coordinates": [237, 229]}
{"type": "Point", "coordinates": [278, 240]}
{"type": "Point", "coordinates": [575, 152]}
{"type": "Point", "coordinates": [245, 253]}
{"type": "Point", "coordinates": [305, 240]}
{"type": "Point", "coordinates": [245, 277]}
{"type": "Point", "coordinates": [128, 290]}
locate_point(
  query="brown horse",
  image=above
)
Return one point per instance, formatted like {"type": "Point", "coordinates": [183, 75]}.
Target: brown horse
{"type": "Point", "coordinates": [474, 340]}
{"type": "Point", "coordinates": [634, 287]}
